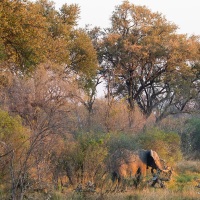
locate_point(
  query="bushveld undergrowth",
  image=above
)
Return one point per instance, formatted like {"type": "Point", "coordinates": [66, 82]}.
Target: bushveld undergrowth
{"type": "Point", "coordinates": [183, 186]}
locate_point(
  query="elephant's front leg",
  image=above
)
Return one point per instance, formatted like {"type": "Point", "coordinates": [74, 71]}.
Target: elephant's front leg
{"type": "Point", "coordinates": [143, 171]}
{"type": "Point", "coordinates": [143, 175]}
{"type": "Point", "coordinates": [140, 175]}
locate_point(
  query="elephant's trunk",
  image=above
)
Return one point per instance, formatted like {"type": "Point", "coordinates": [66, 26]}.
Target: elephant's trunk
{"type": "Point", "coordinates": [166, 169]}
{"type": "Point", "coordinates": [159, 166]}
{"type": "Point", "coordinates": [168, 172]}
{"type": "Point", "coordinates": [160, 163]}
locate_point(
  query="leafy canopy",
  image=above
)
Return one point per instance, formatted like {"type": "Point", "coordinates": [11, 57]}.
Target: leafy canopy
{"type": "Point", "coordinates": [148, 61]}
{"type": "Point", "coordinates": [35, 33]}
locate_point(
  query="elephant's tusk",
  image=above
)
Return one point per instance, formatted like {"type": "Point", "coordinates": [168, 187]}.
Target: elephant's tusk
{"type": "Point", "coordinates": [166, 170]}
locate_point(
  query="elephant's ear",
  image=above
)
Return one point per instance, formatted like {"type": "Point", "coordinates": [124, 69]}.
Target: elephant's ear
{"type": "Point", "coordinates": [153, 154]}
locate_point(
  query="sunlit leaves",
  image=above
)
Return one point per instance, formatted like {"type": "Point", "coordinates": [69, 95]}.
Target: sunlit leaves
{"type": "Point", "coordinates": [149, 58]}
{"type": "Point", "coordinates": [20, 24]}
{"type": "Point", "coordinates": [69, 14]}
{"type": "Point", "coordinates": [34, 33]}
{"type": "Point", "coordinates": [83, 55]}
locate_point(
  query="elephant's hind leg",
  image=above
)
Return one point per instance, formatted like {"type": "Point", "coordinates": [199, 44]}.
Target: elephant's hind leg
{"type": "Point", "coordinates": [116, 179]}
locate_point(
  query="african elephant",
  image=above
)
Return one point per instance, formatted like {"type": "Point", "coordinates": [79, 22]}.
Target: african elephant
{"type": "Point", "coordinates": [126, 164]}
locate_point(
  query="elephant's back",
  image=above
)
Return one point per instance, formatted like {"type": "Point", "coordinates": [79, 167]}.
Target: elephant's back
{"type": "Point", "coordinates": [123, 156]}
{"type": "Point", "coordinates": [123, 162]}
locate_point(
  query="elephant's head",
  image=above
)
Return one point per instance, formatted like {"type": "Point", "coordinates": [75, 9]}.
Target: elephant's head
{"type": "Point", "coordinates": [154, 161]}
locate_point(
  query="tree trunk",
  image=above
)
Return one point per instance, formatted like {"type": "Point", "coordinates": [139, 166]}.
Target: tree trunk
{"type": "Point", "coordinates": [129, 84]}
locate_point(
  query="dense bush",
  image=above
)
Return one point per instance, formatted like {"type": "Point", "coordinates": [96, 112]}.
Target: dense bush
{"type": "Point", "coordinates": [120, 140]}
{"type": "Point", "coordinates": [167, 144]}
{"type": "Point", "coordinates": [85, 160]}
{"type": "Point", "coordinates": [13, 144]}
{"type": "Point", "coordinates": [191, 138]}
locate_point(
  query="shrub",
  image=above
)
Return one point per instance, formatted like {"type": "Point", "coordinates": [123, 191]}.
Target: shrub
{"type": "Point", "coordinates": [13, 144]}
{"type": "Point", "coordinates": [120, 140]}
{"type": "Point", "coordinates": [191, 138]}
{"type": "Point", "coordinates": [87, 158]}
{"type": "Point", "coordinates": [167, 144]}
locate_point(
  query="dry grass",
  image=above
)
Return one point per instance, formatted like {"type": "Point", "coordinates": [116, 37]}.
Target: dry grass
{"type": "Point", "coordinates": [189, 193]}
{"type": "Point", "coordinates": [147, 194]}
{"type": "Point", "coordinates": [181, 187]}
{"type": "Point", "coordinates": [188, 166]}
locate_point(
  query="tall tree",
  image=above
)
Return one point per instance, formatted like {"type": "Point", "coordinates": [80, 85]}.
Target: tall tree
{"type": "Point", "coordinates": [149, 59]}
{"type": "Point", "coordinates": [34, 33]}
{"type": "Point", "coordinates": [22, 30]}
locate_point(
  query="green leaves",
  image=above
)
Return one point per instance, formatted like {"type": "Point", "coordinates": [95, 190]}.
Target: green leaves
{"type": "Point", "coordinates": [82, 54]}
{"type": "Point", "coordinates": [191, 137]}
{"type": "Point", "coordinates": [69, 14]}
{"type": "Point", "coordinates": [34, 33]}
{"type": "Point", "coordinates": [20, 23]}
{"type": "Point", "coordinates": [12, 132]}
